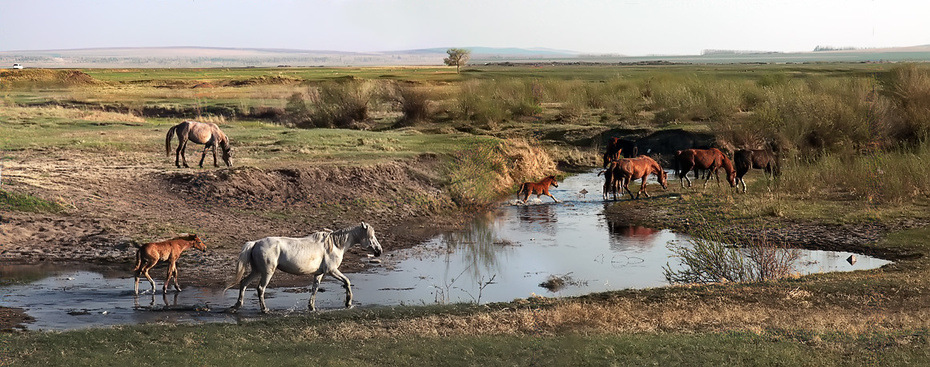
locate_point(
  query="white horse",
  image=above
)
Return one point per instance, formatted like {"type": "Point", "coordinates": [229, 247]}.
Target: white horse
{"type": "Point", "coordinates": [317, 254]}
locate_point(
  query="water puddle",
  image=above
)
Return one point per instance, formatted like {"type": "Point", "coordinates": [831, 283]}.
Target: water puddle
{"type": "Point", "coordinates": [543, 248]}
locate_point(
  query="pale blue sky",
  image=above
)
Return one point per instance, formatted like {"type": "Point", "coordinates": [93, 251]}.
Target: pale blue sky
{"type": "Point", "coordinates": [630, 27]}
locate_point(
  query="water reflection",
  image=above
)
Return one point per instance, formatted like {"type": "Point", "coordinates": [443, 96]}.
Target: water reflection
{"type": "Point", "coordinates": [541, 214]}
{"type": "Point", "coordinates": [477, 248]}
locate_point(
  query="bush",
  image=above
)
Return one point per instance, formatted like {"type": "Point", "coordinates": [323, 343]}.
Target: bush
{"type": "Point", "coordinates": [715, 256]}
{"type": "Point", "coordinates": [908, 88]}
{"type": "Point", "coordinates": [414, 102]}
{"type": "Point", "coordinates": [341, 104]}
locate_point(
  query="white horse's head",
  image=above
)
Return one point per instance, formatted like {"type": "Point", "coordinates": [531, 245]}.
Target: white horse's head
{"type": "Point", "coordinates": [371, 241]}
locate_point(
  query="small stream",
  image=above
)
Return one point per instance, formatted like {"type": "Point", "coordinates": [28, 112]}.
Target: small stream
{"type": "Point", "coordinates": [503, 255]}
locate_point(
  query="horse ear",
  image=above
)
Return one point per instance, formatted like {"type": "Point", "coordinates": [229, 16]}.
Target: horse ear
{"type": "Point", "coordinates": [364, 225]}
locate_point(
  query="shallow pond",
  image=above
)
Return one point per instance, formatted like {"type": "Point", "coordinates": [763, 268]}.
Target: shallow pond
{"type": "Point", "coordinates": [501, 256]}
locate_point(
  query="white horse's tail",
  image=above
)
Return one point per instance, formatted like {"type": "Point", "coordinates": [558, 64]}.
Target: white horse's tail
{"type": "Point", "coordinates": [245, 258]}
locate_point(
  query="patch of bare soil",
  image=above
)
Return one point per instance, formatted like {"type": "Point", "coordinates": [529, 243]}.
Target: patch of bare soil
{"type": "Point", "coordinates": [116, 203]}
{"type": "Point", "coordinates": [12, 319]}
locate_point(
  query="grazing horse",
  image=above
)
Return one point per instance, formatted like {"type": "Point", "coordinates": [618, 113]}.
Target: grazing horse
{"type": "Point", "coordinates": [317, 254]}
{"type": "Point", "coordinates": [630, 169]}
{"type": "Point", "coordinates": [744, 160]}
{"type": "Point", "coordinates": [710, 159]}
{"type": "Point", "coordinates": [204, 133]}
{"type": "Point", "coordinates": [151, 253]}
{"type": "Point", "coordinates": [539, 188]}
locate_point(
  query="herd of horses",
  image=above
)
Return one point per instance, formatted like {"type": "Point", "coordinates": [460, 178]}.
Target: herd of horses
{"type": "Point", "coordinates": [322, 252]}
{"type": "Point", "coordinates": [620, 168]}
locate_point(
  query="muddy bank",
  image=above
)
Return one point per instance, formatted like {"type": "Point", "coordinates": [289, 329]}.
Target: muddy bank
{"type": "Point", "coordinates": [857, 238]}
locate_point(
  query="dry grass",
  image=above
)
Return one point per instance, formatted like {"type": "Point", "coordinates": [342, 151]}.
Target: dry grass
{"type": "Point", "coordinates": [24, 113]}
{"type": "Point", "coordinates": [783, 308]}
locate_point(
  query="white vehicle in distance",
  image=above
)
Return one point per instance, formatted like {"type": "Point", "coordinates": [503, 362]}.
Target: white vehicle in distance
{"type": "Point", "coordinates": [17, 66]}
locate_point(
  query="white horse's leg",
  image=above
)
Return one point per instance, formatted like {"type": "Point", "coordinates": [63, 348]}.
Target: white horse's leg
{"type": "Point", "coordinates": [262, 284]}
{"type": "Point", "coordinates": [242, 286]}
{"type": "Point", "coordinates": [311, 304]}
{"type": "Point", "coordinates": [346, 284]}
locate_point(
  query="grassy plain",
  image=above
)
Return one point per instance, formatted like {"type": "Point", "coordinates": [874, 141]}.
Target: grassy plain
{"type": "Point", "coordinates": [849, 163]}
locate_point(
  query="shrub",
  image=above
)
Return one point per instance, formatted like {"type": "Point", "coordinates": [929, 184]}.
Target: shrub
{"type": "Point", "coordinates": [715, 256]}
{"type": "Point", "coordinates": [414, 102]}
{"type": "Point", "coordinates": [341, 104]}
{"type": "Point", "coordinates": [908, 88]}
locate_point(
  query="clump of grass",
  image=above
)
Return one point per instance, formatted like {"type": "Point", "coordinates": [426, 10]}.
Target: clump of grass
{"type": "Point", "coordinates": [472, 173]}
{"type": "Point", "coordinates": [341, 104]}
{"type": "Point", "coordinates": [476, 102]}
{"type": "Point", "coordinates": [27, 203]}
{"type": "Point", "coordinates": [879, 177]}
{"type": "Point", "coordinates": [414, 101]}
{"type": "Point", "coordinates": [716, 256]}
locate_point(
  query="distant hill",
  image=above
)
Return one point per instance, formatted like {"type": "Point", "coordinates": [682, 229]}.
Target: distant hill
{"type": "Point", "coordinates": [192, 57]}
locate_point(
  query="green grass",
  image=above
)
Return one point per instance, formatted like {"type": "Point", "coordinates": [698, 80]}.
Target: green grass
{"type": "Point", "coordinates": [27, 203]}
{"type": "Point", "coordinates": [303, 341]}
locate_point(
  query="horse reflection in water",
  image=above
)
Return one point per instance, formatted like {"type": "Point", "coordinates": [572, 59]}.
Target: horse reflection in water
{"type": "Point", "coordinates": [624, 235]}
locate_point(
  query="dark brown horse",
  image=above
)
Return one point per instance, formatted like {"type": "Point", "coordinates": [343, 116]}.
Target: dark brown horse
{"type": "Point", "coordinates": [630, 169]}
{"type": "Point", "coordinates": [763, 159]}
{"type": "Point", "coordinates": [710, 159]}
{"type": "Point", "coordinates": [151, 253]}
{"type": "Point", "coordinates": [539, 188]}
{"type": "Point", "coordinates": [616, 146]}
{"type": "Point", "coordinates": [204, 133]}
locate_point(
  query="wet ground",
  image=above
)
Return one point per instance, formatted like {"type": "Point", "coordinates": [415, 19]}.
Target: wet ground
{"type": "Point", "coordinates": [544, 248]}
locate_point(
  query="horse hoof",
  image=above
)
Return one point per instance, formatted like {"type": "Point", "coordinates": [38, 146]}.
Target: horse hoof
{"type": "Point", "coordinates": [265, 311]}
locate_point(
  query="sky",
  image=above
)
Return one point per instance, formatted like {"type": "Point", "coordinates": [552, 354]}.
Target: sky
{"type": "Point", "coordinates": [624, 27]}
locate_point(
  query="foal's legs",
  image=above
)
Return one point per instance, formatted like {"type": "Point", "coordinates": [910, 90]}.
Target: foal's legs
{"type": "Point", "coordinates": [172, 273]}
{"type": "Point", "coordinates": [345, 284]}
{"type": "Point", "coordinates": [145, 271]}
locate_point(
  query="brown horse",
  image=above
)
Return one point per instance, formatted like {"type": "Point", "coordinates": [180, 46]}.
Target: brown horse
{"type": "Point", "coordinates": [744, 160]}
{"type": "Point", "coordinates": [631, 169]}
{"type": "Point", "coordinates": [204, 133]}
{"type": "Point", "coordinates": [151, 253]}
{"type": "Point", "coordinates": [539, 188]}
{"type": "Point", "coordinates": [710, 159]}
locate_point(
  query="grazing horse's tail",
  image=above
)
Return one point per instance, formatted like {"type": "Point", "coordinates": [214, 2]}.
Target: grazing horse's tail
{"type": "Point", "coordinates": [168, 140]}
{"type": "Point", "coordinates": [245, 258]}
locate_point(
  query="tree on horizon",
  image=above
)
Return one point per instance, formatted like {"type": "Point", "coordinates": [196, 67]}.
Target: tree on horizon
{"type": "Point", "coordinates": [458, 57]}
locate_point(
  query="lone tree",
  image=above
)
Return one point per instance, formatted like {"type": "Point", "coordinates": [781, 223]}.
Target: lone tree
{"type": "Point", "coordinates": [458, 57]}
